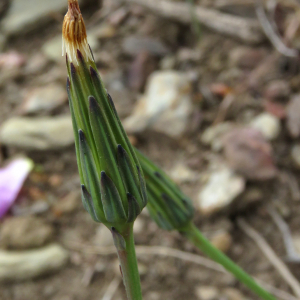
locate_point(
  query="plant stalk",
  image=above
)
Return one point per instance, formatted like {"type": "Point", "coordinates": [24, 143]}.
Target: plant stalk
{"type": "Point", "coordinates": [196, 237]}
{"type": "Point", "coordinates": [128, 264]}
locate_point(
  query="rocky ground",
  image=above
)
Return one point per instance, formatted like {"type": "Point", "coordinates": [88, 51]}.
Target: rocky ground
{"type": "Point", "coordinates": [219, 112]}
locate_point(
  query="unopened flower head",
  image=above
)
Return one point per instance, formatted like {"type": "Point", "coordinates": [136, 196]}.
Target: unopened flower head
{"type": "Point", "coordinates": [167, 205]}
{"type": "Point", "coordinates": [112, 181]}
{"type": "Point", "coordinates": [74, 33]}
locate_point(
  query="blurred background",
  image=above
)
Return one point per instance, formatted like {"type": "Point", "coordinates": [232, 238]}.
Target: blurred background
{"type": "Point", "coordinates": [209, 90]}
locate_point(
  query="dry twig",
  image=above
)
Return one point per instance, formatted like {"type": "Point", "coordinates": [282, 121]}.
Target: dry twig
{"type": "Point", "coordinates": [271, 33]}
{"type": "Point", "coordinates": [271, 255]}
{"type": "Point", "coordinates": [292, 254]}
{"type": "Point", "coordinates": [245, 29]}
{"type": "Point", "coordinates": [112, 288]}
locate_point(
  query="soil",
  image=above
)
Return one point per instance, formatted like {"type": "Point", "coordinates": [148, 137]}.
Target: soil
{"type": "Point", "coordinates": [162, 277]}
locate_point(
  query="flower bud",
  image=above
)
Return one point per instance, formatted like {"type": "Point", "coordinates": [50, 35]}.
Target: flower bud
{"type": "Point", "coordinates": [113, 188]}
{"type": "Point", "coordinates": [167, 205]}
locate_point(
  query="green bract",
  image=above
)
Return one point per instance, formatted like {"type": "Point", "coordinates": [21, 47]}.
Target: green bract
{"type": "Point", "coordinates": [167, 205]}
{"type": "Point", "coordinates": [113, 187]}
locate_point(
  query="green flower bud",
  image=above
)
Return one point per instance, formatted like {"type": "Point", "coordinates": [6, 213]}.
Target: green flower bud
{"type": "Point", "coordinates": [113, 187]}
{"type": "Point", "coordinates": [167, 205]}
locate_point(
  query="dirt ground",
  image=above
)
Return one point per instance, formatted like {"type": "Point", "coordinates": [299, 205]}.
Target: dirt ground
{"type": "Point", "coordinates": [208, 60]}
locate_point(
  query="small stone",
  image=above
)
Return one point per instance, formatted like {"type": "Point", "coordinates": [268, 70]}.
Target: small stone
{"type": "Point", "coordinates": [248, 153]}
{"type": "Point", "coordinates": [207, 293]}
{"type": "Point", "coordinates": [222, 187]}
{"type": "Point", "coordinates": [133, 45]}
{"type": "Point", "coordinates": [68, 204]}
{"type": "Point", "coordinates": [181, 173]}
{"type": "Point", "coordinates": [166, 107]}
{"type": "Point", "coordinates": [268, 125]}
{"type": "Point", "coordinates": [41, 133]}
{"type": "Point", "coordinates": [293, 116]}
{"type": "Point", "coordinates": [295, 153]}
{"type": "Point", "coordinates": [26, 265]}
{"type": "Point", "coordinates": [277, 90]}
{"type": "Point", "coordinates": [233, 294]}
{"type": "Point", "coordinates": [24, 232]}
{"type": "Point", "coordinates": [213, 135]}
{"type": "Point", "coordinates": [103, 237]}
{"type": "Point", "coordinates": [222, 240]}
{"type": "Point", "coordinates": [43, 99]}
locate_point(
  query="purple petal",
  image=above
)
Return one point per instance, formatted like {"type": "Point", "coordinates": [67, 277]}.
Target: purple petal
{"type": "Point", "coordinates": [12, 178]}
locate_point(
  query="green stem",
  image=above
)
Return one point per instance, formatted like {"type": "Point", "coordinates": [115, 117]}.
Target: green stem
{"type": "Point", "coordinates": [129, 267]}
{"type": "Point", "coordinates": [195, 236]}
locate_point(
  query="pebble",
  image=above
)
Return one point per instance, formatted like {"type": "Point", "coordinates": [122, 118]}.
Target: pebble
{"type": "Point", "coordinates": [222, 240]}
{"type": "Point", "coordinates": [181, 173]}
{"type": "Point", "coordinates": [43, 99]}
{"type": "Point", "coordinates": [222, 187]}
{"type": "Point", "coordinates": [41, 133]}
{"type": "Point", "coordinates": [212, 136]}
{"type": "Point", "coordinates": [207, 293]}
{"type": "Point", "coordinates": [268, 125]}
{"type": "Point", "coordinates": [295, 153]}
{"type": "Point", "coordinates": [166, 107]}
{"type": "Point", "coordinates": [24, 16]}
{"type": "Point", "coordinates": [293, 116]}
{"type": "Point", "coordinates": [248, 153]}
{"type": "Point", "coordinates": [29, 264]}
{"type": "Point", "coordinates": [24, 232]}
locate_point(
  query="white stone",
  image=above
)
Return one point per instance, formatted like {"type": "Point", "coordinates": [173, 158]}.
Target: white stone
{"type": "Point", "coordinates": [166, 106]}
{"type": "Point", "coordinates": [41, 133]}
{"type": "Point", "coordinates": [222, 187]}
{"type": "Point", "coordinates": [25, 265]}
{"type": "Point", "coordinates": [268, 125]}
{"type": "Point", "coordinates": [181, 173]}
{"type": "Point", "coordinates": [44, 99]}
{"type": "Point", "coordinates": [207, 293]}
{"type": "Point", "coordinates": [213, 135]}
